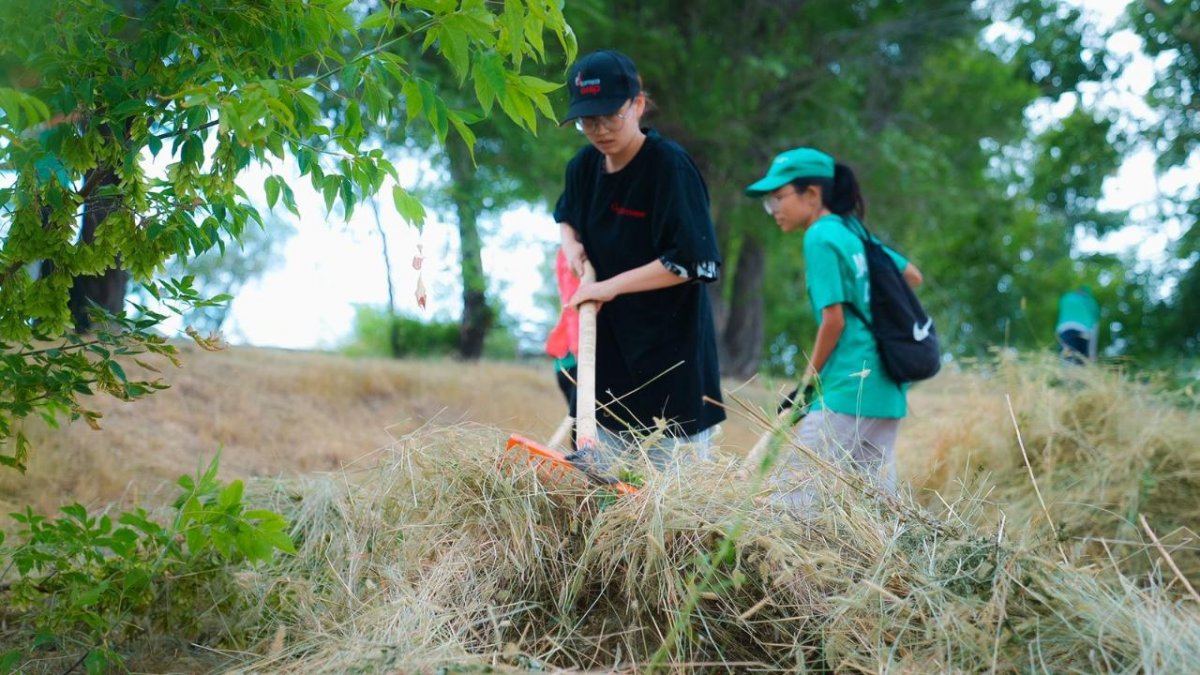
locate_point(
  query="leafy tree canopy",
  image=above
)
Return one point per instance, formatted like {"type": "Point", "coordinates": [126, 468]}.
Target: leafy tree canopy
{"type": "Point", "coordinates": [1170, 30]}
{"type": "Point", "coordinates": [93, 91]}
{"type": "Point", "coordinates": [928, 103]}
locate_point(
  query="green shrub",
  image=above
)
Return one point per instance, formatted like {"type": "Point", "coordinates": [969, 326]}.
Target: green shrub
{"type": "Point", "coordinates": [85, 583]}
{"type": "Point", "coordinates": [500, 342]}
{"type": "Point", "coordinates": [371, 335]}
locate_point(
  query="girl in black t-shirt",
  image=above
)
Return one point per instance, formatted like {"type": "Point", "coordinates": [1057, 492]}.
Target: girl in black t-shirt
{"type": "Point", "coordinates": [635, 206]}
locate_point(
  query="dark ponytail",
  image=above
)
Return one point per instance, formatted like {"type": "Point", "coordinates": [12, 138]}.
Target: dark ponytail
{"type": "Point", "coordinates": [846, 197]}
{"type": "Point", "coordinates": [651, 105]}
{"type": "Point", "coordinates": [841, 194]}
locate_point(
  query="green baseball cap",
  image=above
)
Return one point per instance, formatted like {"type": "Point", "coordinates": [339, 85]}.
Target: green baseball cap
{"type": "Point", "coordinates": [790, 165]}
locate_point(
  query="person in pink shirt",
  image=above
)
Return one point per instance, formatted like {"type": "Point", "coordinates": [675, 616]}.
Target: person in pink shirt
{"type": "Point", "coordinates": [563, 341]}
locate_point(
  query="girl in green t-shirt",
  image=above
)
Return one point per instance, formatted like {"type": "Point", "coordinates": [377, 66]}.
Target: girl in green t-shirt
{"type": "Point", "coordinates": [855, 416]}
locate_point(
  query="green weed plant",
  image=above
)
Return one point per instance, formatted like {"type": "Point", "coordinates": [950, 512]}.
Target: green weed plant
{"type": "Point", "coordinates": [85, 584]}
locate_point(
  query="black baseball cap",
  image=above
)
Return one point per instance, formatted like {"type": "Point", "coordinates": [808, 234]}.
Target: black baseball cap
{"type": "Point", "coordinates": [600, 83]}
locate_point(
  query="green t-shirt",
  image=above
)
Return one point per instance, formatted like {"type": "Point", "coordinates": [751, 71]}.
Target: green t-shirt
{"type": "Point", "coordinates": [853, 381]}
{"type": "Point", "coordinates": [1079, 310]}
{"type": "Point", "coordinates": [565, 363]}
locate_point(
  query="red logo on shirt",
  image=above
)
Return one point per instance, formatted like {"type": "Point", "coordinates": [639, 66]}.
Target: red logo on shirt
{"type": "Point", "coordinates": [622, 211]}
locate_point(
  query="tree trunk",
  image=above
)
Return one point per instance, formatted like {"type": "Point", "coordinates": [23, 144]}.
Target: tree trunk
{"type": "Point", "coordinates": [740, 320]}
{"type": "Point", "coordinates": [464, 192]}
{"type": "Point", "coordinates": [741, 341]}
{"type": "Point", "coordinates": [108, 288]}
{"type": "Point", "coordinates": [394, 345]}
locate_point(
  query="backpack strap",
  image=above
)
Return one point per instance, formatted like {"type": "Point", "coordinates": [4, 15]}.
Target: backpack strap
{"type": "Point", "coordinates": [865, 240]}
{"type": "Point", "coordinates": [857, 312]}
{"type": "Point", "coordinates": [865, 237]}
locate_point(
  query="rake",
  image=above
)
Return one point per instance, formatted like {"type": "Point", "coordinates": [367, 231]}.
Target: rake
{"type": "Point", "coordinates": [550, 464]}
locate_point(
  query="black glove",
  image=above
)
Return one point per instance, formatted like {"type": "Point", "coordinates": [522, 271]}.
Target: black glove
{"type": "Point", "coordinates": [792, 400]}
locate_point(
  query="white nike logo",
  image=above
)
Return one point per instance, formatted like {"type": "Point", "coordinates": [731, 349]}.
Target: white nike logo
{"type": "Point", "coordinates": [921, 332]}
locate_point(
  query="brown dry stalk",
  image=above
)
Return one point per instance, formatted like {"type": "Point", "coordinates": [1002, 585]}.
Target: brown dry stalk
{"type": "Point", "coordinates": [1033, 479]}
{"type": "Point", "coordinates": [1167, 556]}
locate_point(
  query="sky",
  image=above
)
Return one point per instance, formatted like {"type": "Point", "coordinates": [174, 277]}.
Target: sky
{"type": "Point", "coordinates": [307, 300]}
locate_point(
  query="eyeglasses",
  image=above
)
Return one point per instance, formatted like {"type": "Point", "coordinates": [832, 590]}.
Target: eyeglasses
{"type": "Point", "coordinates": [591, 125]}
{"type": "Point", "coordinates": [772, 202]}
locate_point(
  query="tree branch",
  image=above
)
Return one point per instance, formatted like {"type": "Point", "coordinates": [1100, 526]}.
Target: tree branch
{"type": "Point", "coordinates": [93, 181]}
{"type": "Point", "coordinates": [179, 132]}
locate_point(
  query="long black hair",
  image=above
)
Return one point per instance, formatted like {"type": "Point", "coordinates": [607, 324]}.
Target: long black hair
{"type": "Point", "coordinates": [841, 194]}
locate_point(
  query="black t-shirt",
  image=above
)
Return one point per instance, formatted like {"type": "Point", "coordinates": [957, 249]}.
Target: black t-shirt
{"type": "Point", "coordinates": [656, 351]}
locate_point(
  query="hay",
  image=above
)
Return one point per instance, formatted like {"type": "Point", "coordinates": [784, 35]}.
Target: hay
{"type": "Point", "coordinates": [1104, 450]}
{"type": "Point", "coordinates": [443, 557]}
{"type": "Point", "coordinates": [435, 555]}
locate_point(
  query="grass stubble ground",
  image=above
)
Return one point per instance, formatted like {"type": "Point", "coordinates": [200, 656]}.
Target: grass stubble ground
{"type": "Point", "coordinates": [1018, 545]}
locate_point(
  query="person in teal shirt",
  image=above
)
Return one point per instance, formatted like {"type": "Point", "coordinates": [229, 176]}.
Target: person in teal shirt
{"type": "Point", "coordinates": [855, 415]}
{"type": "Point", "coordinates": [1078, 326]}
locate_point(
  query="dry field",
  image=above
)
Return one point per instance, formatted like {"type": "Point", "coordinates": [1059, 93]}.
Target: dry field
{"type": "Point", "coordinates": [281, 413]}
{"type": "Point", "coordinates": [271, 413]}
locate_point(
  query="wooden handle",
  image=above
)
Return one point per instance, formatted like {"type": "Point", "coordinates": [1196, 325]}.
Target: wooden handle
{"type": "Point", "coordinates": [755, 455]}
{"type": "Point", "coordinates": [585, 397]}
{"type": "Point", "coordinates": [561, 440]}
{"type": "Point", "coordinates": [783, 424]}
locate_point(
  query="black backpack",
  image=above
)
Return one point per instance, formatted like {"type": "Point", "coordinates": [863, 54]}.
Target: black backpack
{"type": "Point", "coordinates": [904, 333]}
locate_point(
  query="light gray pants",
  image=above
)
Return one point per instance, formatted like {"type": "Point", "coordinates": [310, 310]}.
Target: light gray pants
{"type": "Point", "coordinates": [662, 452]}
{"type": "Point", "coordinates": [866, 445]}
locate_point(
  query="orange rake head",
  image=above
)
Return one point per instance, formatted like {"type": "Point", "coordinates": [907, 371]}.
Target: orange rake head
{"type": "Point", "coordinates": [553, 467]}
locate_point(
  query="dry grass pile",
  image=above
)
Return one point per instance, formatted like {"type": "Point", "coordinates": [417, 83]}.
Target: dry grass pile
{"type": "Point", "coordinates": [436, 558]}
{"type": "Point", "coordinates": [1104, 451]}
{"type": "Point", "coordinates": [426, 555]}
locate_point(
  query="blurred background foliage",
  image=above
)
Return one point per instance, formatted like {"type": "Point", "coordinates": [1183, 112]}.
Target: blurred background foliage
{"type": "Point", "coordinates": [985, 135]}
{"type": "Point", "coordinates": [940, 107]}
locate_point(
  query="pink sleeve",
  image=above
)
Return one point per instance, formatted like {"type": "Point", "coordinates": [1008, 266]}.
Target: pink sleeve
{"type": "Point", "coordinates": [564, 337]}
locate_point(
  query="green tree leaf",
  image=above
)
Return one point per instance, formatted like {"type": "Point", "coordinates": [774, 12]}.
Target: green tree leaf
{"type": "Point", "coordinates": [408, 206]}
